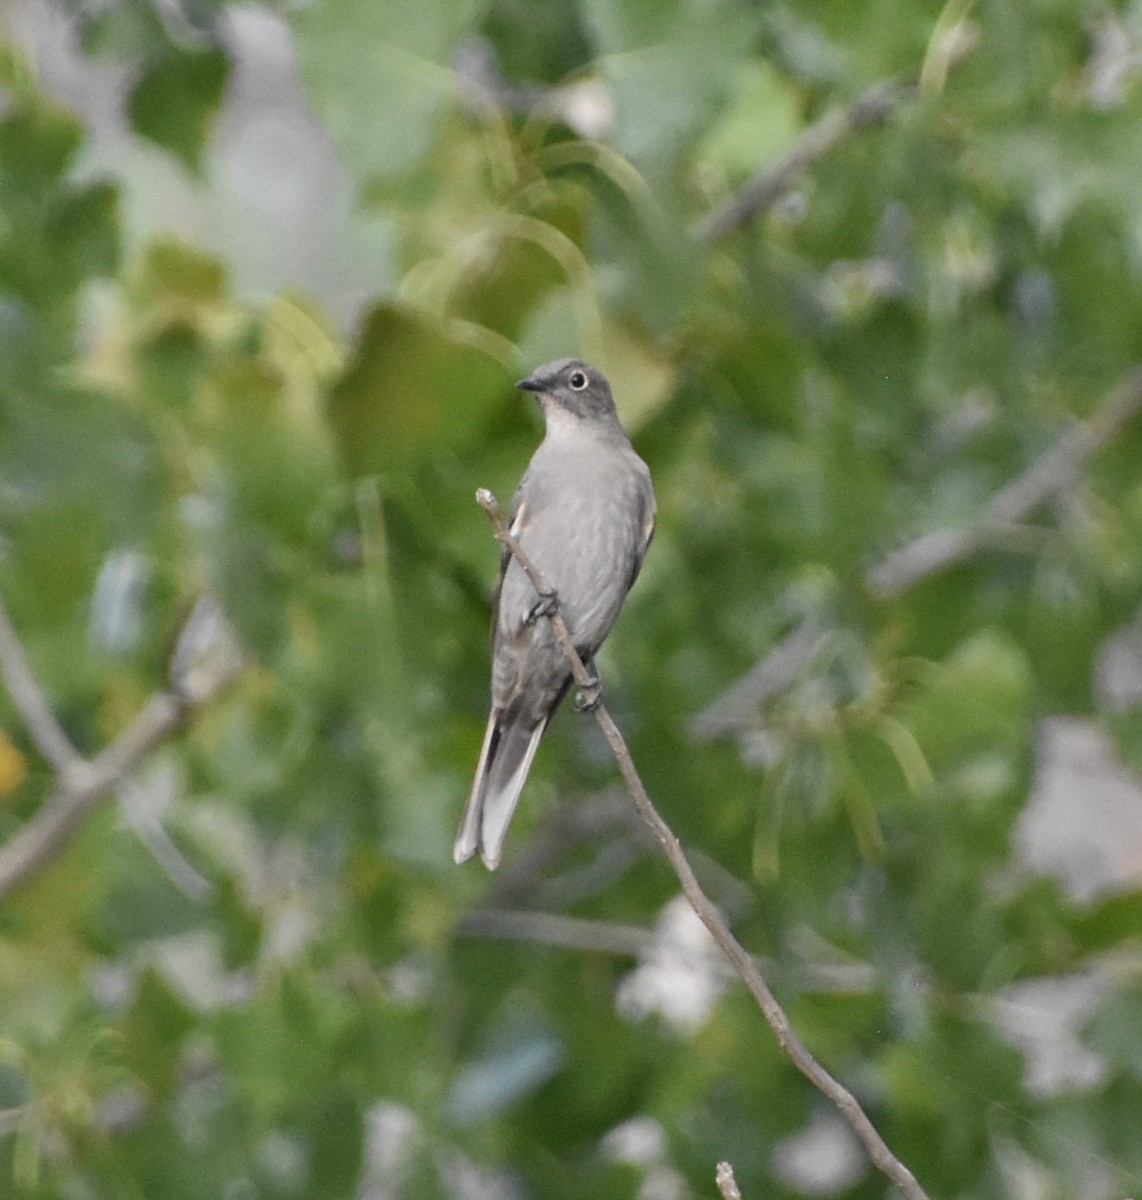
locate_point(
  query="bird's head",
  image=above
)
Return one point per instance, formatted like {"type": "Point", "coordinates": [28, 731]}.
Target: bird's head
{"type": "Point", "coordinates": [572, 386]}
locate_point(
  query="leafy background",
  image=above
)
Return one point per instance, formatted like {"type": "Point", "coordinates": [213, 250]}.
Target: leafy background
{"type": "Point", "coordinates": [266, 277]}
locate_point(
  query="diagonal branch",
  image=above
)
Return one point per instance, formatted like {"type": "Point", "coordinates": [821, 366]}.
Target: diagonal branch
{"type": "Point", "coordinates": [951, 42]}
{"type": "Point", "coordinates": [767, 187]}
{"type": "Point", "coordinates": [736, 708]}
{"type": "Point", "coordinates": [81, 789]}
{"type": "Point", "coordinates": [1051, 473]}
{"type": "Point", "coordinates": [881, 1156]}
{"type": "Point", "coordinates": [81, 784]}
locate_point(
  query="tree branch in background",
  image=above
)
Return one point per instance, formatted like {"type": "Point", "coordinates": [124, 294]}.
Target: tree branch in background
{"type": "Point", "coordinates": [878, 1151]}
{"type": "Point", "coordinates": [1053, 472]}
{"type": "Point", "coordinates": [767, 187]}
{"type": "Point", "coordinates": [1050, 474]}
{"type": "Point", "coordinates": [206, 659]}
{"type": "Point", "coordinates": [28, 696]}
{"type": "Point", "coordinates": [953, 39]}
{"type": "Point", "coordinates": [736, 708]}
{"type": "Point", "coordinates": [555, 929]}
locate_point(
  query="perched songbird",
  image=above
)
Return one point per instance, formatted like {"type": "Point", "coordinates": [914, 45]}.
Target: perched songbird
{"type": "Point", "coordinates": [584, 515]}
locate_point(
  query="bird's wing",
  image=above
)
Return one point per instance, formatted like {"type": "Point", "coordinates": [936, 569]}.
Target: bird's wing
{"type": "Point", "coordinates": [647, 535]}
{"type": "Point", "coordinates": [517, 522]}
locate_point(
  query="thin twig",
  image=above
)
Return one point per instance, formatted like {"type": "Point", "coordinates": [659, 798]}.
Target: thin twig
{"type": "Point", "coordinates": [28, 696]}
{"type": "Point", "coordinates": [142, 796]}
{"type": "Point", "coordinates": [764, 190]}
{"type": "Point", "coordinates": [82, 785]}
{"type": "Point", "coordinates": [878, 1151]}
{"type": "Point", "coordinates": [1051, 473]}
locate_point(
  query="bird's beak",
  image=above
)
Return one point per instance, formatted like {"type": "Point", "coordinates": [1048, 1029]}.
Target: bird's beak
{"type": "Point", "coordinates": [531, 384]}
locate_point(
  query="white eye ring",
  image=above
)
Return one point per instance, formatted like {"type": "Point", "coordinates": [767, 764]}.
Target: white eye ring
{"type": "Point", "coordinates": [578, 381]}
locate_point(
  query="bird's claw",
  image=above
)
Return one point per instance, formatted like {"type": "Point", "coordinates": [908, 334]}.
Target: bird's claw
{"type": "Point", "coordinates": [589, 696]}
{"type": "Point", "coordinates": [547, 603]}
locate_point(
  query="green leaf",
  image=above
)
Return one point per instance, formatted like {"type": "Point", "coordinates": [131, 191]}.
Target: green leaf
{"type": "Point", "coordinates": [1116, 1030]}
{"type": "Point", "coordinates": [152, 1034]}
{"type": "Point", "coordinates": [667, 87]}
{"type": "Point", "coordinates": [380, 75]}
{"type": "Point", "coordinates": [276, 1048]}
{"type": "Point", "coordinates": [409, 393]}
{"type": "Point", "coordinates": [128, 31]}
{"type": "Point", "coordinates": [175, 273]}
{"type": "Point", "coordinates": [83, 228]}
{"type": "Point", "coordinates": [37, 144]}
{"type": "Point", "coordinates": [975, 699]}
{"type": "Point", "coordinates": [760, 122]}
{"type": "Point", "coordinates": [279, 464]}
{"type": "Point", "coordinates": [1114, 922]}
{"type": "Point", "coordinates": [251, 576]}
{"type": "Point", "coordinates": [176, 101]}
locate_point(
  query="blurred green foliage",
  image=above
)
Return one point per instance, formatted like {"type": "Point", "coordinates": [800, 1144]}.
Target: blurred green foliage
{"type": "Point", "coordinates": [941, 298]}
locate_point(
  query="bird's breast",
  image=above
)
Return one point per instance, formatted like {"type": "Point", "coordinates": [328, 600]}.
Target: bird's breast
{"type": "Point", "coordinates": [580, 524]}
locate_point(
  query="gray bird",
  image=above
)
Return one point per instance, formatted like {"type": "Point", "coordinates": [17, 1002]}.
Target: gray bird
{"type": "Point", "coordinates": [584, 514]}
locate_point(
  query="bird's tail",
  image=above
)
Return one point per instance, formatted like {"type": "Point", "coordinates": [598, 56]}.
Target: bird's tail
{"type": "Point", "coordinates": [505, 760]}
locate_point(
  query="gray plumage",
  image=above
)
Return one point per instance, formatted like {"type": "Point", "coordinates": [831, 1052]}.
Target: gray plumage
{"type": "Point", "coordinates": [584, 514]}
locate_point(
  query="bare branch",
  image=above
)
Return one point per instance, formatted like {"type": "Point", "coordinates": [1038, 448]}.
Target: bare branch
{"type": "Point", "coordinates": [28, 696]}
{"type": "Point", "coordinates": [726, 1182]}
{"type": "Point", "coordinates": [142, 797]}
{"type": "Point", "coordinates": [554, 929]}
{"type": "Point", "coordinates": [45, 835]}
{"type": "Point", "coordinates": [950, 44]}
{"type": "Point", "coordinates": [83, 785]}
{"type": "Point", "coordinates": [1050, 474]}
{"type": "Point", "coordinates": [799, 1055]}
{"type": "Point", "coordinates": [1002, 525]}
{"type": "Point", "coordinates": [764, 190]}
{"type": "Point", "coordinates": [736, 709]}
{"type": "Point", "coordinates": [881, 1156]}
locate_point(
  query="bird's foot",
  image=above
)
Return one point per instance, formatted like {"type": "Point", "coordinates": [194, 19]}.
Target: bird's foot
{"type": "Point", "coordinates": [547, 604]}
{"type": "Point", "coordinates": [589, 696]}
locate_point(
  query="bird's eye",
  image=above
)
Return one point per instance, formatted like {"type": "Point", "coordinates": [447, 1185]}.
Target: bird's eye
{"type": "Point", "coordinates": [578, 381]}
